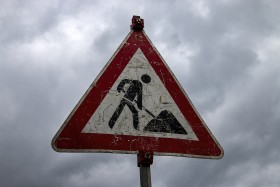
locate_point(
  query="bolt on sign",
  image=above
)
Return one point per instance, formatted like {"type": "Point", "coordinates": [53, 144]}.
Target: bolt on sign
{"type": "Point", "coordinates": [136, 104]}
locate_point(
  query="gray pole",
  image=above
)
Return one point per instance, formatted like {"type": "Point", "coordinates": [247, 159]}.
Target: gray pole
{"type": "Point", "coordinates": [145, 176]}
{"type": "Point", "coordinates": [144, 160]}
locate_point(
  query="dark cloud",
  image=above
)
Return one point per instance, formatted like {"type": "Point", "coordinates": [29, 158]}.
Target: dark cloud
{"type": "Point", "coordinates": [224, 53]}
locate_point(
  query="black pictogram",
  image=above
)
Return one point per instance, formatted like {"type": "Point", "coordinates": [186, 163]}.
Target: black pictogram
{"type": "Point", "coordinates": [165, 122]}
{"type": "Point", "coordinates": [134, 90]}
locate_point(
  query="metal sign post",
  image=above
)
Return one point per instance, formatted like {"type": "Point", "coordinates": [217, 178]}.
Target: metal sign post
{"type": "Point", "coordinates": [144, 160]}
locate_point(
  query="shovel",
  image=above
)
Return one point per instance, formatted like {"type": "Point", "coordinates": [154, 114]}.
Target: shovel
{"type": "Point", "coordinates": [165, 122]}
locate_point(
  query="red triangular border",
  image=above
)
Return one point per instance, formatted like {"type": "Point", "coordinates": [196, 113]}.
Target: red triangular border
{"type": "Point", "coordinates": [70, 139]}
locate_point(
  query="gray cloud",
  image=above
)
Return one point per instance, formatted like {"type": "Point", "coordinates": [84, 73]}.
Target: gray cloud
{"type": "Point", "coordinates": [224, 53]}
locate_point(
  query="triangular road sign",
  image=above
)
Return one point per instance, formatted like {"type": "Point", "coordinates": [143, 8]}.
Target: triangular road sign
{"type": "Point", "coordinates": [136, 104]}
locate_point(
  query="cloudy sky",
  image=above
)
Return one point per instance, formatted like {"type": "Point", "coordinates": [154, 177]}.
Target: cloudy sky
{"type": "Point", "coordinates": [224, 53]}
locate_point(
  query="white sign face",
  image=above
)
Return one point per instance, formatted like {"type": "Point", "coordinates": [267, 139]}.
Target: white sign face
{"type": "Point", "coordinates": [138, 104]}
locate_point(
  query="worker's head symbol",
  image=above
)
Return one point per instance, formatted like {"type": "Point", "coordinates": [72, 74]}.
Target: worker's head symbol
{"type": "Point", "coordinates": [146, 78]}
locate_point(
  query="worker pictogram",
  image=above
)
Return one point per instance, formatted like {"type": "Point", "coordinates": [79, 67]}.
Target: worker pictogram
{"type": "Point", "coordinates": [139, 104]}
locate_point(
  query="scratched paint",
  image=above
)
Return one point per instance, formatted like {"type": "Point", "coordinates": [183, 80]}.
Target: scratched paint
{"type": "Point", "coordinates": [111, 117]}
{"type": "Point", "coordinates": [120, 113]}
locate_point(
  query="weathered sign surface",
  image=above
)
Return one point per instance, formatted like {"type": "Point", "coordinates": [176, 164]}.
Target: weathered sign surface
{"type": "Point", "coordinates": [136, 104]}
